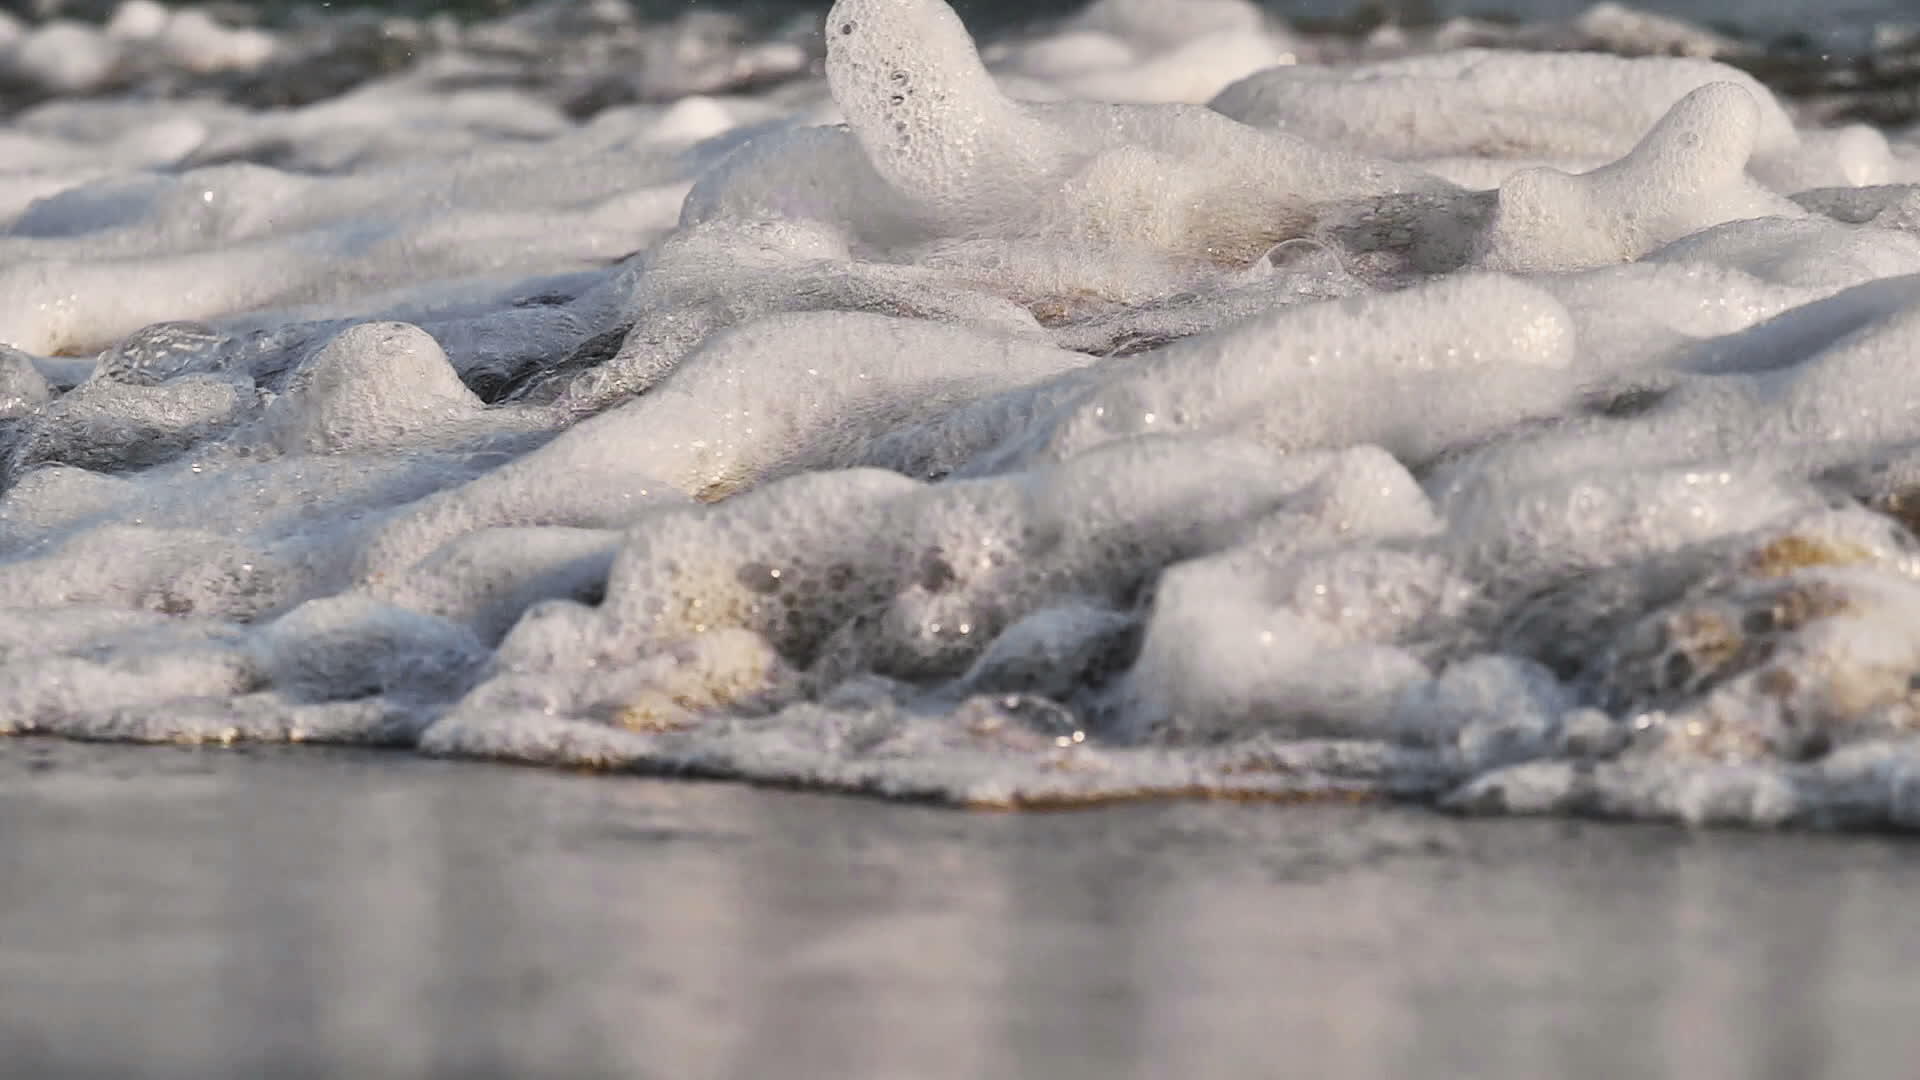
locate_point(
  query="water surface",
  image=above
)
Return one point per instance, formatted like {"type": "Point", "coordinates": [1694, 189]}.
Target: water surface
{"type": "Point", "coordinates": [206, 914]}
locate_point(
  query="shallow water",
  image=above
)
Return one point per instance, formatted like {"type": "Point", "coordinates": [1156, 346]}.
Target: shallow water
{"type": "Point", "coordinates": [208, 914]}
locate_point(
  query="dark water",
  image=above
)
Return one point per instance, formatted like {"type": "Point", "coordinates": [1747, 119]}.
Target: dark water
{"type": "Point", "coordinates": [1756, 16]}
{"type": "Point", "coordinates": [297, 912]}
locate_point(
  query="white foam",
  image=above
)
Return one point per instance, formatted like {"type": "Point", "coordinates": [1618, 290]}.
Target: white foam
{"type": "Point", "coordinates": [1030, 438]}
{"type": "Point", "coordinates": [1333, 374]}
{"type": "Point", "coordinates": [1146, 24]}
{"type": "Point", "coordinates": [1482, 103]}
{"type": "Point", "coordinates": [1687, 174]}
{"type": "Point", "coordinates": [373, 386]}
{"type": "Point", "coordinates": [65, 57]}
{"type": "Point", "coordinates": [959, 157]}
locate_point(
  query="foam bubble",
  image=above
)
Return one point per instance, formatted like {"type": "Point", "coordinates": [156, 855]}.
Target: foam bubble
{"type": "Point", "coordinates": [1324, 375]}
{"type": "Point", "coordinates": [1687, 174]}
{"type": "Point", "coordinates": [373, 385]}
{"type": "Point", "coordinates": [928, 115]}
{"type": "Point", "coordinates": [1193, 71]}
{"type": "Point", "coordinates": [1485, 103]}
{"type": "Point", "coordinates": [965, 159]}
{"type": "Point", "coordinates": [64, 57]}
{"type": "Point", "coordinates": [1151, 25]}
{"type": "Point", "coordinates": [22, 388]}
{"type": "Point", "coordinates": [807, 391]}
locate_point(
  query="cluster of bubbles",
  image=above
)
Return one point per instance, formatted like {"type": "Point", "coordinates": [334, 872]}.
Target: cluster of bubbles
{"type": "Point", "coordinates": [1518, 429]}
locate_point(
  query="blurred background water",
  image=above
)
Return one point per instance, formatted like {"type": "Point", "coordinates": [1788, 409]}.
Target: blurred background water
{"type": "Point", "coordinates": [1755, 18]}
{"type": "Point", "coordinates": [1858, 60]}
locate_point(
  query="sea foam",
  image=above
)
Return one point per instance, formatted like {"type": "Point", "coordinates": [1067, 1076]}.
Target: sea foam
{"type": "Point", "coordinates": [1435, 415]}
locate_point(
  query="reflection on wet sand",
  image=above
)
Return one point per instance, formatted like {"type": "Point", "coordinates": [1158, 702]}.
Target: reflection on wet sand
{"type": "Point", "coordinates": [174, 913]}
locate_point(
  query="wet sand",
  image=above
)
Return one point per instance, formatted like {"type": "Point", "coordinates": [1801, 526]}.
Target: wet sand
{"type": "Point", "coordinates": [202, 913]}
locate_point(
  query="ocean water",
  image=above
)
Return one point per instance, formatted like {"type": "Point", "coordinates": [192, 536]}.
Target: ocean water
{"type": "Point", "coordinates": [1165, 400]}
